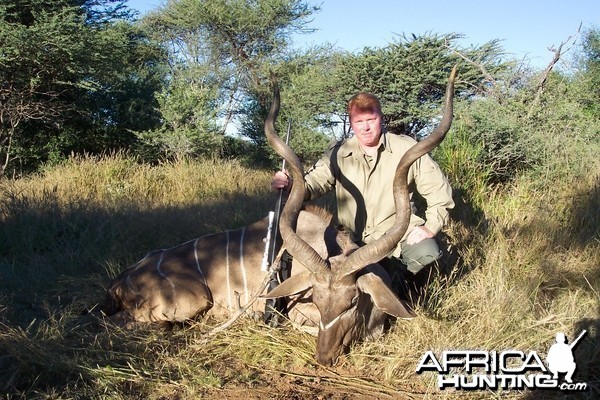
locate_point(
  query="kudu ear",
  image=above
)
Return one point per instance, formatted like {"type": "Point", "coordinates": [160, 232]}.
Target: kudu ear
{"type": "Point", "coordinates": [383, 297]}
{"type": "Point", "coordinates": [293, 285]}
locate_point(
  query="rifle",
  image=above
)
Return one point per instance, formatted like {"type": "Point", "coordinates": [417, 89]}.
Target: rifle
{"type": "Point", "coordinates": [578, 339]}
{"type": "Point", "coordinates": [273, 243]}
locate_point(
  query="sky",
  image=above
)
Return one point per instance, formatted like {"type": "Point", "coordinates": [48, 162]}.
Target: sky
{"type": "Point", "coordinates": [526, 28]}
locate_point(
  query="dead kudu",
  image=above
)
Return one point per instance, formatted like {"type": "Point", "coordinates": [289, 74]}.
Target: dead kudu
{"type": "Point", "coordinates": [216, 275]}
{"type": "Point", "coordinates": [334, 285]}
{"type": "Point", "coordinates": [349, 289]}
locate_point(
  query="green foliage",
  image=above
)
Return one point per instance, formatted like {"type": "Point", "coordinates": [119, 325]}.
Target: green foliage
{"type": "Point", "coordinates": [73, 77]}
{"type": "Point", "coordinates": [177, 144]}
{"type": "Point", "coordinates": [311, 82]}
{"type": "Point", "coordinates": [410, 75]}
{"type": "Point", "coordinates": [506, 134]}
{"type": "Point", "coordinates": [238, 31]}
{"type": "Point", "coordinates": [461, 157]}
{"type": "Point", "coordinates": [305, 99]}
{"type": "Point", "coordinates": [220, 52]}
{"type": "Point", "coordinates": [590, 97]}
{"type": "Point", "coordinates": [188, 109]}
{"type": "Point", "coordinates": [39, 62]}
{"type": "Point", "coordinates": [563, 130]}
{"type": "Point", "coordinates": [497, 130]}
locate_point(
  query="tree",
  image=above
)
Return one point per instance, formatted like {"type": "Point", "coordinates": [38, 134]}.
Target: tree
{"type": "Point", "coordinates": [67, 78]}
{"type": "Point", "coordinates": [37, 63]}
{"type": "Point", "coordinates": [128, 70]}
{"type": "Point", "coordinates": [591, 68]}
{"type": "Point", "coordinates": [229, 45]}
{"type": "Point", "coordinates": [306, 83]}
{"type": "Point", "coordinates": [188, 119]}
{"type": "Point", "coordinates": [410, 75]}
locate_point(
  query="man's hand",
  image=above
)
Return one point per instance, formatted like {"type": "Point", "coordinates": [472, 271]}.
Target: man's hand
{"type": "Point", "coordinates": [281, 180]}
{"type": "Point", "coordinates": [418, 234]}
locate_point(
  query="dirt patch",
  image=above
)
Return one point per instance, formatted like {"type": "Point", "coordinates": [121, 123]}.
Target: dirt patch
{"type": "Point", "coordinates": [300, 386]}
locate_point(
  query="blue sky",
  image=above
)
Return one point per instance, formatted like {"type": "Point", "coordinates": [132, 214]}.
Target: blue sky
{"type": "Point", "coordinates": [526, 28]}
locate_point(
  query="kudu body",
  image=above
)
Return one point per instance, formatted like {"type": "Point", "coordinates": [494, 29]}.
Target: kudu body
{"type": "Point", "coordinates": [214, 275]}
{"type": "Point", "coordinates": [349, 289]}
{"type": "Point", "coordinates": [339, 287]}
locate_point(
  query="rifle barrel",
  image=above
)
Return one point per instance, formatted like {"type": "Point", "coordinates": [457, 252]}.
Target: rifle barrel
{"type": "Point", "coordinates": [578, 339]}
{"type": "Point", "coordinates": [273, 248]}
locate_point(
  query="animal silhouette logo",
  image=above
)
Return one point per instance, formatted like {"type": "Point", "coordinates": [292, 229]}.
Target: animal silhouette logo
{"type": "Point", "coordinates": [560, 356]}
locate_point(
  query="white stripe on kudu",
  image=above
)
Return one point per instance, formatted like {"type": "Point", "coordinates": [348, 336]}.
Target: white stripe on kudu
{"type": "Point", "coordinates": [227, 268]}
{"type": "Point", "coordinates": [198, 261]}
{"type": "Point", "coordinates": [325, 327]}
{"type": "Point", "coordinates": [242, 267]}
{"type": "Point", "coordinates": [161, 273]}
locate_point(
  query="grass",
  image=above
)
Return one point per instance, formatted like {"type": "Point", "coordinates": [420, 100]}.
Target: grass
{"type": "Point", "coordinates": [522, 264]}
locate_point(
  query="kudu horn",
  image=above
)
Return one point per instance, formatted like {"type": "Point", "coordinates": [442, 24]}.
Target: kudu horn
{"type": "Point", "coordinates": [381, 247]}
{"type": "Point", "coordinates": [296, 246]}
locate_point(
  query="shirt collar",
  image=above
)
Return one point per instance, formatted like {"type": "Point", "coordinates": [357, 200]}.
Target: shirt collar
{"type": "Point", "coordinates": [353, 147]}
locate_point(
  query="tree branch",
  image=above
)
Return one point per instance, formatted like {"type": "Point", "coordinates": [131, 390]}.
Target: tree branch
{"type": "Point", "coordinates": [544, 78]}
{"type": "Point", "coordinates": [488, 77]}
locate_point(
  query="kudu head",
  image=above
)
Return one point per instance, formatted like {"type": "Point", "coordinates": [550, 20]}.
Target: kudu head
{"type": "Point", "coordinates": [343, 289]}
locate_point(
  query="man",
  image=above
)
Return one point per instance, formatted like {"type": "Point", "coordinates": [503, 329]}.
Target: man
{"type": "Point", "coordinates": [560, 357]}
{"type": "Point", "coordinates": [361, 171]}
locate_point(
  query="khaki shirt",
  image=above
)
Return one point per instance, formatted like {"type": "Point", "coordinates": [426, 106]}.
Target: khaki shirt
{"type": "Point", "coordinates": [363, 186]}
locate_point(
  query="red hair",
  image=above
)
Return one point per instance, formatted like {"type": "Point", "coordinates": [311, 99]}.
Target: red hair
{"type": "Point", "coordinates": [364, 101]}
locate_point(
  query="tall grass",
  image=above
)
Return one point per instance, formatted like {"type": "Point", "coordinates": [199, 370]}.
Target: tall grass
{"type": "Point", "coordinates": [521, 264]}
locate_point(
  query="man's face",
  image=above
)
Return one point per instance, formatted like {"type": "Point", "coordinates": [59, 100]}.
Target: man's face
{"type": "Point", "coordinates": [366, 126]}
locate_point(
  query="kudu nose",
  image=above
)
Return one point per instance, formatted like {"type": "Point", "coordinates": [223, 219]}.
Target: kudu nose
{"type": "Point", "coordinates": [330, 356]}
{"type": "Point", "coordinates": [326, 360]}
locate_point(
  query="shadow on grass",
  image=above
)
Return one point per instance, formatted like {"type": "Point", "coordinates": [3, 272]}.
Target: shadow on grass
{"type": "Point", "coordinates": [586, 354]}
{"type": "Point", "coordinates": [585, 211]}
{"type": "Point", "coordinates": [567, 242]}
{"type": "Point", "coordinates": [45, 248]}
{"type": "Point", "coordinates": [56, 261]}
{"type": "Point", "coordinates": [460, 246]}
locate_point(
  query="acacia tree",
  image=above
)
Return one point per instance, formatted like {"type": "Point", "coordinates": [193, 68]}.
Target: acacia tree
{"type": "Point", "coordinates": [68, 78]}
{"type": "Point", "coordinates": [410, 74]}
{"type": "Point", "coordinates": [219, 54]}
{"type": "Point", "coordinates": [36, 54]}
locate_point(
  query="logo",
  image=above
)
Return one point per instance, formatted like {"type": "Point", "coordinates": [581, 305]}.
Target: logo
{"type": "Point", "coordinates": [509, 369]}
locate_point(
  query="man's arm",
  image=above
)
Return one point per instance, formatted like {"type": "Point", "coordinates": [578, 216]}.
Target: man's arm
{"type": "Point", "coordinates": [320, 178]}
{"type": "Point", "coordinates": [433, 186]}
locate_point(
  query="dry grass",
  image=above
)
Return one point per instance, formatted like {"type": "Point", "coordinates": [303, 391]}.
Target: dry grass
{"type": "Point", "coordinates": [527, 270]}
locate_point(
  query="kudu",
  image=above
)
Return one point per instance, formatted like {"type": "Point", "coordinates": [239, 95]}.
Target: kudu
{"type": "Point", "coordinates": [214, 275]}
{"type": "Point", "coordinates": [350, 290]}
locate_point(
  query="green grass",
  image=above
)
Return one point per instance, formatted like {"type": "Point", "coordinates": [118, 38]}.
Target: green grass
{"type": "Point", "coordinates": [523, 264]}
